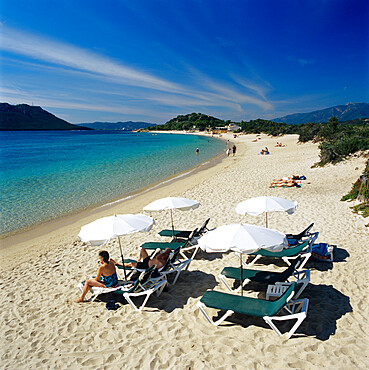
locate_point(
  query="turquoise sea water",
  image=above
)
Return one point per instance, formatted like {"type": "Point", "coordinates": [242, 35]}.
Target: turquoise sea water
{"type": "Point", "coordinates": [48, 174]}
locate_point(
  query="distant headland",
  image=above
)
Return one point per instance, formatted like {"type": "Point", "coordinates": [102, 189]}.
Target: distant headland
{"type": "Point", "coordinates": [24, 117]}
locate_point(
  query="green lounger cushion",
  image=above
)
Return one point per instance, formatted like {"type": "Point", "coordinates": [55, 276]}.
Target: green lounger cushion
{"type": "Point", "coordinates": [287, 252]}
{"type": "Point", "coordinates": [177, 233]}
{"type": "Point", "coordinates": [235, 273]}
{"type": "Point", "coordinates": [267, 277]}
{"type": "Point", "coordinates": [155, 245]}
{"type": "Point", "coordinates": [245, 305]}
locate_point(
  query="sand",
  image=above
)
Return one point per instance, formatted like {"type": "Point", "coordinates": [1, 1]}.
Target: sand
{"type": "Point", "coordinates": [43, 328]}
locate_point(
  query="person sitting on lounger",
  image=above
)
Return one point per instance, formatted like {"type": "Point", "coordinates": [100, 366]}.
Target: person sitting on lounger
{"type": "Point", "coordinates": [144, 261]}
{"type": "Point", "coordinates": [108, 273]}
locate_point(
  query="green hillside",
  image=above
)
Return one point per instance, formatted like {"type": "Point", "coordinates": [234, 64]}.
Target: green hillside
{"type": "Point", "coordinates": [188, 121]}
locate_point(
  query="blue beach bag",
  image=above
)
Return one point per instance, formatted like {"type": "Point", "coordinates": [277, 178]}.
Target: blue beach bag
{"type": "Point", "coordinates": [322, 252]}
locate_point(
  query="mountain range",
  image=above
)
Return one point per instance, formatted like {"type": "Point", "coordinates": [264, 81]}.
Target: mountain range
{"type": "Point", "coordinates": [129, 125]}
{"type": "Point", "coordinates": [25, 117]}
{"type": "Point", "coordinates": [346, 112]}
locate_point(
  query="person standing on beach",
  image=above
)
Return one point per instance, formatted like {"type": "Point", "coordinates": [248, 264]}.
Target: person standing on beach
{"type": "Point", "coordinates": [234, 150]}
{"type": "Point", "coordinates": [228, 151]}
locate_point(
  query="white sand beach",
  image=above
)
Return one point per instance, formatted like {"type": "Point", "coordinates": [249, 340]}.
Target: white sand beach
{"type": "Point", "coordinates": [43, 328]}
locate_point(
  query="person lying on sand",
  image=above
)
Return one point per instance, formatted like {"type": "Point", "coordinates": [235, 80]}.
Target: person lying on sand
{"type": "Point", "coordinates": [284, 182]}
{"type": "Point", "coordinates": [108, 273]}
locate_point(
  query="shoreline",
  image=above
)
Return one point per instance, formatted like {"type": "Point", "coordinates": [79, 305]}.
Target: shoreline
{"type": "Point", "coordinates": [28, 233]}
{"type": "Point", "coordinates": [18, 241]}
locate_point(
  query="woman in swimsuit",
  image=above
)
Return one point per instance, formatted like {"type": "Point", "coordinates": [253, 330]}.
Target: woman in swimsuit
{"type": "Point", "coordinates": [108, 273]}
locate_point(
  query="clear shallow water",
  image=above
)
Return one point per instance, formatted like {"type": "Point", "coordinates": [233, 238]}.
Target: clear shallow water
{"type": "Point", "coordinates": [48, 174]}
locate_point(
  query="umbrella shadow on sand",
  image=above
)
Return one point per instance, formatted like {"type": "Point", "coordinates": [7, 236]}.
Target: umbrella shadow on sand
{"type": "Point", "coordinates": [203, 256]}
{"type": "Point", "coordinates": [326, 306]}
{"type": "Point", "coordinates": [190, 284]}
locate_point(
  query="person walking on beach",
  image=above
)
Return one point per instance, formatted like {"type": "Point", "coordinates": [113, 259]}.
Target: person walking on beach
{"type": "Point", "coordinates": [228, 151]}
{"type": "Point", "coordinates": [108, 273]}
{"type": "Point", "coordinates": [234, 150]}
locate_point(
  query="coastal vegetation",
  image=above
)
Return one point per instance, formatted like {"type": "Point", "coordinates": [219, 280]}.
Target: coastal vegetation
{"type": "Point", "coordinates": [360, 192]}
{"type": "Point", "coordinates": [337, 140]}
{"type": "Point", "coordinates": [189, 122]}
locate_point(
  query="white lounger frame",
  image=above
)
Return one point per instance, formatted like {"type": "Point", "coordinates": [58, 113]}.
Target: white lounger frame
{"type": "Point", "coordinates": [297, 310]}
{"type": "Point", "coordinates": [301, 277]}
{"type": "Point", "coordinates": [152, 285]}
{"type": "Point", "coordinates": [304, 255]}
{"type": "Point", "coordinates": [96, 291]}
{"type": "Point", "coordinates": [176, 268]}
{"type": "Point", "coordinates": [156, 287]}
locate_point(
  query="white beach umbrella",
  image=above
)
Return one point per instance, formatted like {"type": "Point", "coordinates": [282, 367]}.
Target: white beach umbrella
{"type": "Point", "coordinates": [170, 203]}
{"type": "Point", "coordinates": [243, 239]}
{"type": "Point", "coordinates": [102, 230]}
{"type": "Point", "coordinates": [258, 205]}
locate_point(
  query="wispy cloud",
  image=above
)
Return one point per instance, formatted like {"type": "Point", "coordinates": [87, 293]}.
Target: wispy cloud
{"type": "Point", "coordinates": [224, 92]}
{"type": "Point", "coordinates": [197, 90]}
{"type": "Point", "coordinates": [41, 48]}
{"type": "Point", "coordinates": [64, 104]}
{"type": "Point", "coordinates": [236, 96]}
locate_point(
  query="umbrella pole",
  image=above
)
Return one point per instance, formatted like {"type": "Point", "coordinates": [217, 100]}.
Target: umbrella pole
{"type": "Point", "coordinates": [121, 253]}
{"type": "Point", "coordinates": [241, 268]}
{"type": "Point", "coordinates": [266, 219]}
{"type": "Point", "coordinates": [171, 217]}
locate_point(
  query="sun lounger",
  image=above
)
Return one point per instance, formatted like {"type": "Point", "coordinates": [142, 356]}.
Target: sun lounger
{"type": "Point", "coordinates": [184, 234]}
{"type": "Point", "coordinates": [287, 254]}
{"type": "Point", "coordinates": [143, 286]}
{"type": "Point", "coordinates": [294, 239]}
{"type": "Point", "coordinates": [268, 310]}
{"type": "Point", "coordinates": [184, 246]}
{"type": "Point", "coordinates": [172, 266]}
{"type": "Point", "coordinates": [175, 266]}
{"type": "Point", "coordinates": [302, 278]}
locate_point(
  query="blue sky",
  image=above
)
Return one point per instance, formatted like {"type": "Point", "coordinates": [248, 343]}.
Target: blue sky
{"type": "Point", "coordinates": [150, 60]}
